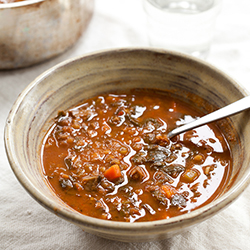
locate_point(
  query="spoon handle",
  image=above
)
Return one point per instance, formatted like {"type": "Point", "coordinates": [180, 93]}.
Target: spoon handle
{"type": "Point", "coordinates": [226, 111]}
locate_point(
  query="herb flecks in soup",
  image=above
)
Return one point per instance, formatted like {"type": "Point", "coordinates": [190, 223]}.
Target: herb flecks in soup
{"type": "Point", "coordinates": [110, 158]}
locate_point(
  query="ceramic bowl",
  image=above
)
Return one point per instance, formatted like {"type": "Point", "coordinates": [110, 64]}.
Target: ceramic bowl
{"type": "Point", "coordinates": [72, 81]}
{"type": "Point", "coordinates": [35, 30]}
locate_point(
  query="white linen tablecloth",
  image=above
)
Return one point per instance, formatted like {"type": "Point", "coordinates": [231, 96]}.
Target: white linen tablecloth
{"type": "Point", "coordinates": [24, 224]}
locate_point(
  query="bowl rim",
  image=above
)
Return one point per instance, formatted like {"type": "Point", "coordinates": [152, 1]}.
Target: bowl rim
{"type": "Point", "coordinates": [19, 4]}
{"type": "Point", "coordinates": [80, 219]}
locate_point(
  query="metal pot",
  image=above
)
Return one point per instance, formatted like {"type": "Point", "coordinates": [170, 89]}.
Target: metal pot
{"type": "Point", "coordinates": [35, 30]}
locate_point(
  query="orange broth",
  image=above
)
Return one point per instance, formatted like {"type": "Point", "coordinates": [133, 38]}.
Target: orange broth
{"type": "Point", "coordinates": [110, 158]}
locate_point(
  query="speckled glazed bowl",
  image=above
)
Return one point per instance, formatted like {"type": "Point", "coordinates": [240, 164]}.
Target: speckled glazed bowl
{"type": "Point", "coordinates": [72, 81]}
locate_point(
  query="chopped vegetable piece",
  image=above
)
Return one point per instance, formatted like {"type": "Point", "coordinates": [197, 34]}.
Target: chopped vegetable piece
{"type": "Point", "coordinates": [113, 172]}
{"type": "Point", "coordinates": [168, 190]}
{"type": "Point", "coordinates": [190, 175]}
{"type": "Point", "coordinates": [199, 159]}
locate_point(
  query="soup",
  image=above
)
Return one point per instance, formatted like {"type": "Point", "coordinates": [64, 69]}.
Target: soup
{"type": "Point", "coordinates": [110, 158]}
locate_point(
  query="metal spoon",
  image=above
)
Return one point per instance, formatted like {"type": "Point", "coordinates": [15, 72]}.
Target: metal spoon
{"type": "Point", "coordinates": [226, 111]}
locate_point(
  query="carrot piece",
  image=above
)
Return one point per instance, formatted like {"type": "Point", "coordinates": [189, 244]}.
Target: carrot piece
{"type": "Point", "coordinates": [168, 190]}
{"type": "Point", "coordinates": [113, 172]}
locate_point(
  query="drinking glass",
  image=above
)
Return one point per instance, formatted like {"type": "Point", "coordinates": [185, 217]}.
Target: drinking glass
{"type": "Point", "coordinates": [182, 25]}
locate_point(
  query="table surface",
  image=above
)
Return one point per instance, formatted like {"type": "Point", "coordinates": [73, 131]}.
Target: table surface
{"type": "Point", "coordinates": [24, 224]}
